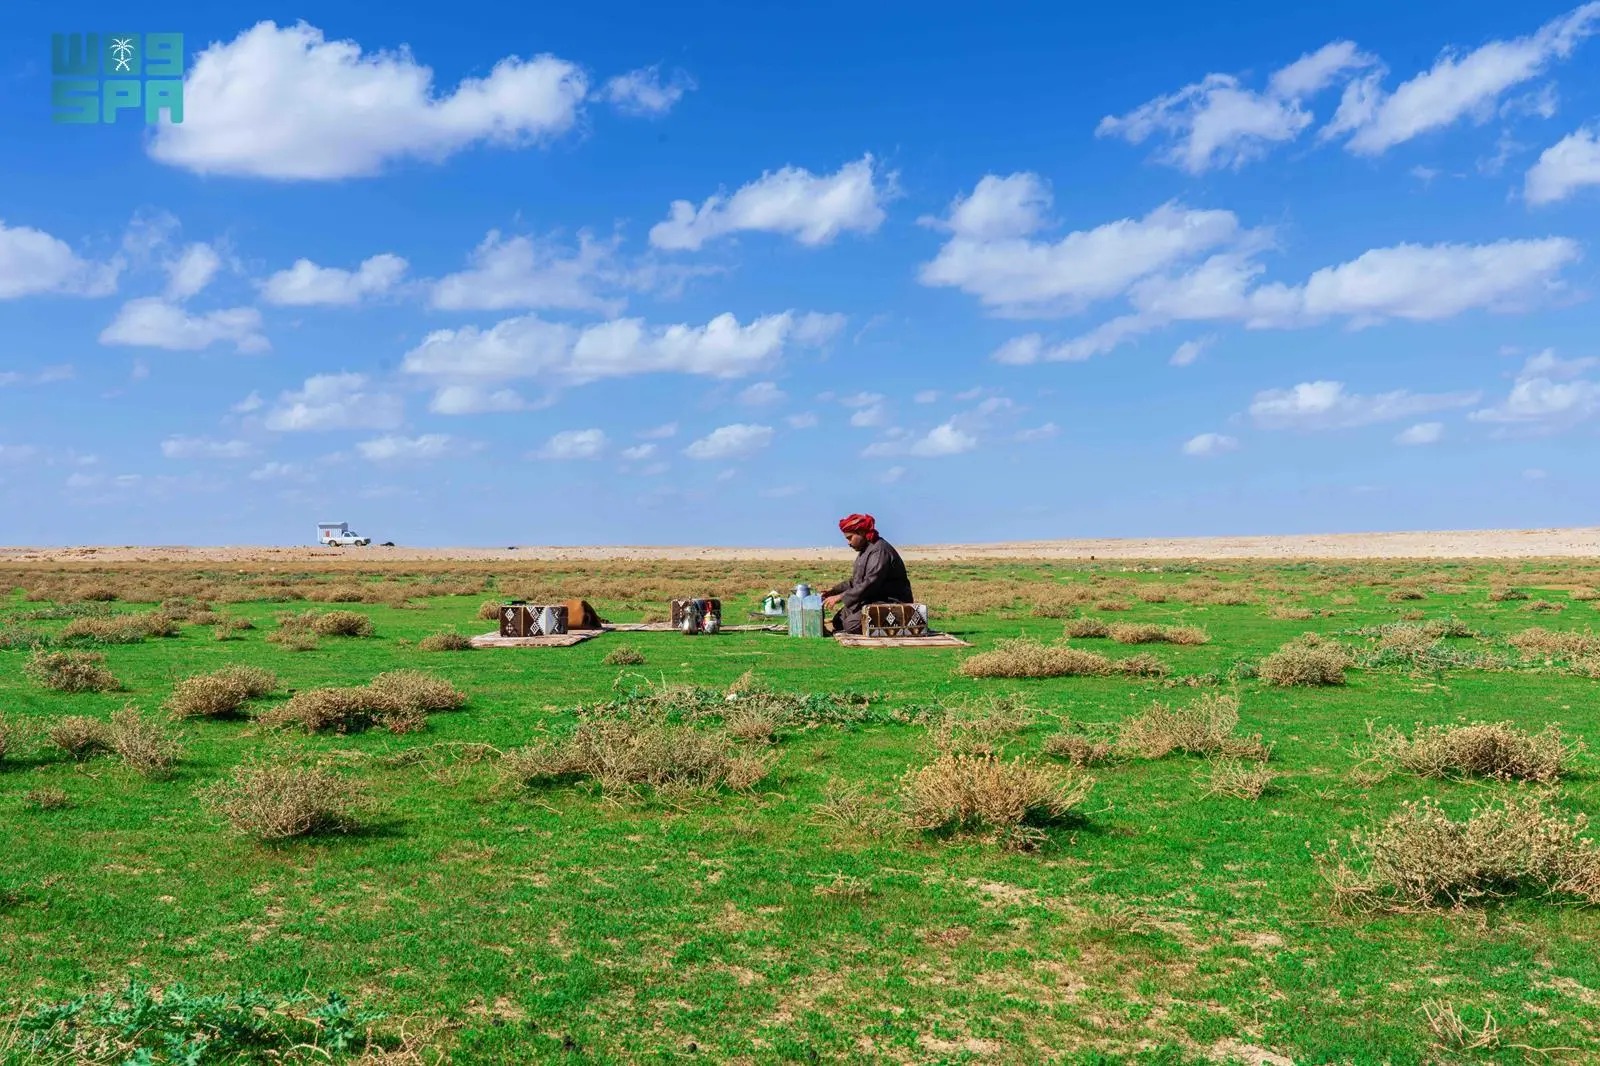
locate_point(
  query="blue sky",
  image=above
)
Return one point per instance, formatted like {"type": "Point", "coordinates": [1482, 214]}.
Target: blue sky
{"type": "Point", "coordinates": [664, 274]}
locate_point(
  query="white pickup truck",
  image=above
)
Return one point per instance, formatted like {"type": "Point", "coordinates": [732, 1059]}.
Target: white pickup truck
{"type": "Point", "coordinates": [339, 535]}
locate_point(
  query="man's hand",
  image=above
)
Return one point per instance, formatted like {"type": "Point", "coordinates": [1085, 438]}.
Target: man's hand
{"type": "Point", "coordinates": [830, 602]}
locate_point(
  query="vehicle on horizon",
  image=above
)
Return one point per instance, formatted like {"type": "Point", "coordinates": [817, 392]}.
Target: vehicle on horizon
{"type": "Point", "coordinates": [340, 535]}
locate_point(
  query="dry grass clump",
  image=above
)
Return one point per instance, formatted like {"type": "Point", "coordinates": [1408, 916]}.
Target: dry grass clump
{"type": "Point", "coordinates": [46, 799]}
{"type": "Point", "coordinates": [1205, 727]}
{"type": "Point", "coordinates": [71, 671]}
{"type": "Point", "coordinates": [145, 744]}
{"type": "Point", "coordinates": [1583, 594]}
{"type": "Point", "coordinates": [623, 755]}
{"type": "Point", "coordinates": [1228, 599]}
{"type": "Point", "coordinates": [979, 727]}
{"type": "Point", "coordinates": [1085, 628]}
{"type": "Point", "coordinates": [1291, 614]}
{"type": "Point", "coordinates": [1113, 605]}
{"type": "Point", "coordinates": [848, 806]}
{"type": "Point", "coordinates": [1544, 607]}
{"type": "Point", "coordinates": [294, 639]}
{"type": "Point", "coordinates": [1024, 657]}
{"type": "Point", "coordinates": [981, 794]}
{"type": "Point", "coordinates": [418, 691]}
{"type": "Point", "coordinates": [229, 628]}
{"type": "Point", "coordinates": [449, 641]}
{"type": "Point", "coordinates": [1142, 665]}
{"type": "Point", "coordinates": [1422, 858]}
{"type": "Point", "coordinates": [327, 623]}
{"type": "Point", "coordinates": [278, 801]}
{"type": "Point", "coordinates": [1153, 634]}
{"type": "Point", "coordinates": [1500, 751]}
{"type": "Point", "coordinates": [1151, 594]}
{"type": "Point", "coordinates": [220, 693]}
{"type": "Point", "coordinates": [1537, 643]}
{"type": "Point", "coordinates": [1402, 595]}
{"type": "Point", "coordinates": [398, 701]}
{"type": "Point", "coordinates": [489, 611]}
{"type": "Point", "coordinates": [79, 736]}
{"type": "Point", "coordinates": [625, 655]}
{"type": "Point", "coordinates": [1238, 779]}
{"type": "Point", "coordinates": [1062, 601]}
{"type": "Point", "coordinates": [1501, 595]}
{"type": "Point", "coordinates": [115, 630]}
{"type": "Point", "coordinates": [1079, 749]}
{"type": "Point", "coordinates": [1453, 1032]}
{"type": "Point", "coordinates": [1304, 663]}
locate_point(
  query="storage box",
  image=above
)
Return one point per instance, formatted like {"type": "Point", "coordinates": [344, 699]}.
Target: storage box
{"type": "Point", "coordinates": [533, 620]}
{"type": "Point", "coordinates": [895, 620]}
{"type": "Point", "coordinates": [705, 607]}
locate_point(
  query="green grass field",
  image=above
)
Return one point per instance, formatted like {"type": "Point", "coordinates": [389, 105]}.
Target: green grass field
{"type": "Point", "coordinates": [571, 922]}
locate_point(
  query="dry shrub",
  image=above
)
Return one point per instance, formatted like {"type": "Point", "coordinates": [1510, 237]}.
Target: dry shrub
{"type": "Point", "coordinates": [981, 794]}
{"type": "Point", "coordinates": [90, 593]}
{"type": "Point", "coordinates": [1584, 594]}
{"type": "Point", "coordinates": [1153, 634]}
{"type": "Point", "coordinates": [1085, 627]}
{"type": "Point", "coordinates": [1409, 641]}
{"type": "Point", "coordinates": [1024, 657]}
{"type": "Point", "coordinates": [145, 744]}
{"type": "Point", "coordinates": [1536, 643]}
{"type": "Point", "coordinates": [1205, 727]}
{"type": "Point", "coordinates": [294, 639]}
{"type": "Point", "coordinates": [1142, 665]}
{"type": "Point", "coordinates": [46, 799]}
{"type": "Point", "coordinates": [1412, 616]}
{"type": "Point", "coordinates": [327, 623]}
{"type": "Point", "coordinates": [1452, 1031]}
{"type": "Point", "coordinates": [1544, 607]}
{"type": "Point", "coordinates": [1422, 858]}
{"type": "Point", "coordinates": [623, 755]}
{"type": "Point", "coordinates": [1500, 751]}
{"type": "Point", "coordinates": [1079, 749]}
{"type": "Point", "coordinates": [1151, 594]}
{"type": "Point", "coordinates": [844, 887]}
{"type": "Point", "coordinates": [1291, 614]}
{"type": "Point", "coordinates": [1501, 595]}
{"type": "Point", "coordinates": [1402, 595]}
{"type": "Point", "coordinates": [625, 655]}
{"type": "Point", "coordinates": [229, 628]}
{"type": "Point", "coordinates": [1228, 599]}
{"type": "Point", "coordinates": [489, 611]}
{"type": "Point", "coordinates": [117, 630]}
{"type": "Point", "coordinates": [755, 725]}
{"type": "Point", "coordinates": [1305, 663]}
{"type": "Point", "coordinates": [853, 808]}
{"type": "Point", "coordinates": [1062, 601]}
{"type": "Point", "coordinates": [418, 691]}
{"type": "Point", "coordinates": [398, 701]}
{"type": "Point", "coordinates": [445, 642]}
{"type": "Point", "coordinates": [1113, 605]}
{"type": "Point", "coordinates": [978, 727]}
{"type": "Point", "coordinates": [279, 800]}
{"type": "Point", "coordinates": [220, 693]}
{"type": "Point", "coordinates": [204, 618]}
{"type": "Point", "coordinates": [79, 736]}
{"type": "Point", "coordinates": [71, 671]}
{"type": "Point", "coordinates": [1238, 779]}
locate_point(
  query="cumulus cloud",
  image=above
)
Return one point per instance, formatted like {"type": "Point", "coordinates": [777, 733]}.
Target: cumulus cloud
{"type": "Point", "coordinates": [574, 444]}
{"type": "Point", "coordinates": [1550, 394]}
{"type": "Point", "coordinates": [1570, 164]}
{"type": "Point", "coordinates": [1218, 122]}
{"type": "Point", "coordinates": [813, 209]}
{"type": "Point", "coordinates": [33, 263]}
{"type": "Point", "coordinates": [1189, 351]}
{"type": "Point", "coordinates": [802, 420]}
{"type": "Point", "coordinates": [192, 271]}
{"type": "Point", "coordinates": [643, 93]}
{"type": "Point", "coordinates": [1421, 433]}
{"type": "Point", "coordinates": [473, 400]}
{"type": "Point", "coordinates": [151, 322]}
{"type": "Point", "coordinates": [1038, 433]}
{"type": "Point", "coordinates": [942, 440]}
{"type": "Point", "coordinates": [661, 432]}
{"type": "Point", "coordinates": [335, 401]}
{"type": "Point", "coordinates": [1207, 444]}
{"type": "Point", "coordinates": [201, 448]}
{"type": "Point", "coordinates": [276, 471]}
{"type": "Point", "coordinates": [530, 347]}
{"type": "Point", "coordinates": [737, 441]}
{"type": "Point", "coordinates": [639, 452]}
{"type": "Point", "coordinates": [522, 272]}
{"type": "Point", "coordinates": [285, 103]}
{"type": "Point", "coordinates": [1314, 405]}
{"type": "Point", "coordinates": [46, 376]}
{"type": "Point", "coordinates": [991, 255]}
{"type": "Point", "coordinates": [1457, 86]}
{"type": "Point", "coordinates": [762, 394]}
{"type": "Point", "coordinates": [305, 284]}
{"type": "Point", "coordinates": [393, 448]}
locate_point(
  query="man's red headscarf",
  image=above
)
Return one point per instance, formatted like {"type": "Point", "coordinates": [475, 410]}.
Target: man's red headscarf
{"type": "Point", "coordinates": [859, 523]}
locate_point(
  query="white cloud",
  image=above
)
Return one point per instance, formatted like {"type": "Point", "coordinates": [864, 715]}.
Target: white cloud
{"type": "Point", "coordinates": [1549, 395]}
{"type": "Point", "coordinates": [1207, 444]}
{"type": "Point", "coordinates": [1217, 122]}
{"type": "Point", "coordinates": [661, 432]}
{"type": "Point", "coordinates": [250, 403]}
{"type": "Point", "coordinates": [574, 444]}
{"type": "Point", "coordinates": [306, 284]}
{"type": "Point", "coordinates": [335, 401]}
{"type": "Point", "coordinates": [521, 272]}
{"type": "Point", "coordinates": [1570, 164]}
{"type": "Point", "coordinates": [1316, 405]}
{"type": "Point", "coordinates": [638, 452]}
{"type": "Point", "coordinates": [192, 271]}
{"type": "Point", "coordinates": [761, 394]}
{"type": "Point", "coordinates": [782, 492]}
{"type": "Point", "coordinates": [391, 448]}
{"type": "Point", "coordinates": [17, 453]}
{"type": "Point", "coordinates": [812, 209]}
{"type": "Point", "coordinates": [33, 263]}
{"type": "Point", "coordinates": [731, 442]}
{"type": "Point", "coordinates": [1038, 433]}
{"type": "Point", "coordinates": [473, 400]}
{"type": "Point", "coordinates": [926, 396]}
{"type": "Point", "coordinates": [942, 440]}
{"type": "Point", "coordinates": [151, 322]}
{"type": "Point", "coordinates": [1457, 86]}
{"type": "Point", "coordinates": [200, 448]}
{"type": "Point", "coordinates": [1422, 433]}
{"type": "Point", "coordinates": [641, 92]}
{"type": "Point", "coordinates": [1189, 351]}
{"type": "Point", "coordinates": [530, 347]}
{"type": "Point", "coordinates": [893, 474]}
{"type": "Point", "coordinates": [276, 471]}
{"type": "Point", "coordinates": [803, 420]}
{"type": "Point", "coordinates": [285, 103]}
{"type": "Point", "coordinates": [1016, 276]}
{"type": "Point", "coordinates": [46, 376]}
{"type": "Point", "coordinates": [872, 415]}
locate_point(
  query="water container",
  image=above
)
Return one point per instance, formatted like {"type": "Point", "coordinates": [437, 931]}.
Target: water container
{"type": "Point", "coordinates": [805, 612]}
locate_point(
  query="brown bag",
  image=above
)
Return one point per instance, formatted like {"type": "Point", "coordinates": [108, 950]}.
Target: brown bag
{"type": "Point", "coordinates": [582, 616]}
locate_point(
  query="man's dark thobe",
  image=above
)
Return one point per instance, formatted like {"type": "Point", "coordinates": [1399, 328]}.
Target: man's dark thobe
{"type": "Point", "coordinates": [879, 577]}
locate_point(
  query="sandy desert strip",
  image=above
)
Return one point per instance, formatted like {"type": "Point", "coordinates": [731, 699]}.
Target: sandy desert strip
{"type": "Point", "coordinates": [1464, 544]}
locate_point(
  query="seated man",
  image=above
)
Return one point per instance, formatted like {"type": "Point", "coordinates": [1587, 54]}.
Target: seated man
{"type": "Point", "coordinates": [879, 575]}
